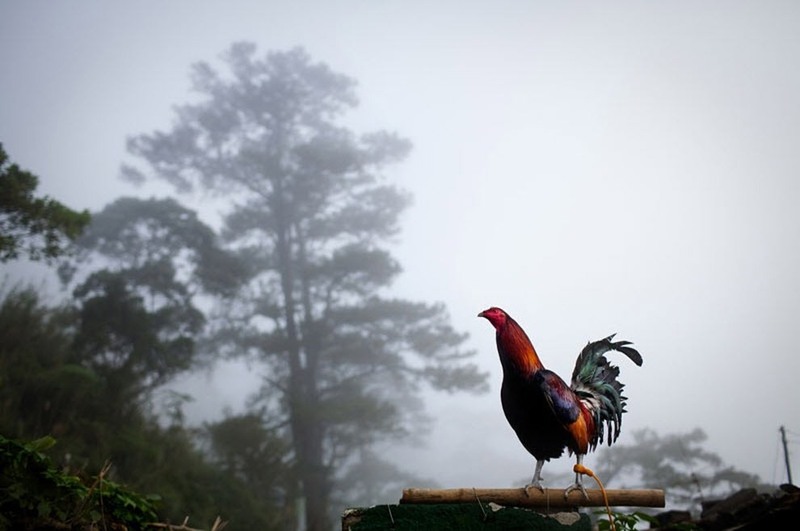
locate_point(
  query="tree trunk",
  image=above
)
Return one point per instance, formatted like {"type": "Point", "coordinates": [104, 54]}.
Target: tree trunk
{"type": "Point", "coordinates": [315, 482]}
{"type": "Point", "coordinates": [303, 401]}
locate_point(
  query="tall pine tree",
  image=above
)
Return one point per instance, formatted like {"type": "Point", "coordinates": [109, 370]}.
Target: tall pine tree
{"type": "Point", "coordinates": [311, 211]}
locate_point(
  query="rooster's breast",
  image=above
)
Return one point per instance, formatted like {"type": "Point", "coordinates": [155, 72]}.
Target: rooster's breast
{"type": "Point", "coordinates": [529, 414]}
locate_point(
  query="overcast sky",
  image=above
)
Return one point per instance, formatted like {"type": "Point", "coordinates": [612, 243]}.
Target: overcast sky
{"type": "Point", "coordinates": [591, 167]}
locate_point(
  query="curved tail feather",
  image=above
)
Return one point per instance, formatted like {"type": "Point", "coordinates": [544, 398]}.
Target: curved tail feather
{"type": "Point", "coordinates": [595, 382]}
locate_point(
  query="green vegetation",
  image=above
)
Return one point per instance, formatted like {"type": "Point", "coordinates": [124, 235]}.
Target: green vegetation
{"type": "Point", "coordinates": [65, 392]}
{"type": "Point", "coordinates": [35, 494]}
{"type": "Point", "coordinates": [623, 521]}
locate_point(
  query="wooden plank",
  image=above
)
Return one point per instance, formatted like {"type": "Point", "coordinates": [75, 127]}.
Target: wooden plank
{"type": "Point", "coordinates": [550, 498]}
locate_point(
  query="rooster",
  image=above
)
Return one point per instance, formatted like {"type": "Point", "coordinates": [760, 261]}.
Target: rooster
{"type": "Point", "coordinates": [547, 414]}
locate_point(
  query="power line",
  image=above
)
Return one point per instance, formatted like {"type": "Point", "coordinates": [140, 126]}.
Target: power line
{"type": "Point", "coordinates": [791, 432]}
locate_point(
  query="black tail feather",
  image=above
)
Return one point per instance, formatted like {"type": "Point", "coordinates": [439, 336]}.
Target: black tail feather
{"type": "Point", "coordinates": [595, 382]}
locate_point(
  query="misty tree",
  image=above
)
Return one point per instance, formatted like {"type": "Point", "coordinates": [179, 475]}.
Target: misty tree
{"type": "Point", "coordinates": [243, 447]}
{"type": "Point", "coordinates": [677, 463]}
{"type": "Point", "coordinates": [42, 392]}
{"type": "Point", "coordinates": [48, 390]}
{"type": "Point", "coordinates": [312, 213]}
{"type": "Point", "coordinates": [38, 227]}
{"type": "Point", "coordinates": [373, 481]}
{"type": "Point", "coordinates": [137, 274]}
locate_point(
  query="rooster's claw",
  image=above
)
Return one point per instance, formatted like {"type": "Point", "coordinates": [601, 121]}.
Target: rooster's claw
{"type": "Point", "coordinates": [534, 485]}
{"type": "Point", "coordinates": [576, 486]}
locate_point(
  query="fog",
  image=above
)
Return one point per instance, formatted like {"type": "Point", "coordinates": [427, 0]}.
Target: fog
{"type": "Point", "coordinates": [627, 167]}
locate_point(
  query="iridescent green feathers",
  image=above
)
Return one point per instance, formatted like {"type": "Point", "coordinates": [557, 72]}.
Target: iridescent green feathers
{"type": "Point", "coordinates": [595, 382]}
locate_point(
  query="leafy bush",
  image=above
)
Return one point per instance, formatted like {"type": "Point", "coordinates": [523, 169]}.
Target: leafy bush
{"type": "Point", "coordinates": [34, 494]}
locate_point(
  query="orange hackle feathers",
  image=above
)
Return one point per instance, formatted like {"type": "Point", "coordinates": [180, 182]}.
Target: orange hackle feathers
{"type": "Point", "coordinates": [513, 344]}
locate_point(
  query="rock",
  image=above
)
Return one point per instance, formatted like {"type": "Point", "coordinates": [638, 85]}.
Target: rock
{"type": "Point", "coordinates": [713, 509]}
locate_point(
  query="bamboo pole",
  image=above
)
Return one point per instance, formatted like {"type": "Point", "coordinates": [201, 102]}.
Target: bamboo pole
{"type": "Point", "coordinates": [551, 498]}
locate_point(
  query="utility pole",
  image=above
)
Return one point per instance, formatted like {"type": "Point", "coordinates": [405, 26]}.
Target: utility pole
{"type": "Point", "coordinates": [786, 454]}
